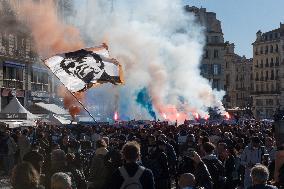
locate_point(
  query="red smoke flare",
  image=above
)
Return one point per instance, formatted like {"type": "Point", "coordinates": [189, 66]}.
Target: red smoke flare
{"type": "Point", "coordinates": [70, 102]}
{"type": "Point", "coordinates": [115, 117]}
{"type": "Point", "coordinates": [172, 114]}
{"type": "Point", "coordinates": [227, 115]}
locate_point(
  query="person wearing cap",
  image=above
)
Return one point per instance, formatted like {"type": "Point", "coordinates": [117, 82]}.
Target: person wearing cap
{"type": "Point", "coordinates": [252, 155]}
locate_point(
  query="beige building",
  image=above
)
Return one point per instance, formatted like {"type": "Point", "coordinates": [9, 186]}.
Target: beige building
{"type": "Point", "coordinates": [238, 80]}
{"type": "Point", "coordinates": [231, 58]}
{"type": "Point", "coordinates": [268, 70]}
{"type": "Point", "coordinates": [213, 62]}
{"type": "Point", "coordinates": [243, 83]}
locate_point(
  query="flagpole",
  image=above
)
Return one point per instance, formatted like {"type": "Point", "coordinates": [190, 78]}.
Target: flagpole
{"type": "Point", "coordinates": [71, 93]}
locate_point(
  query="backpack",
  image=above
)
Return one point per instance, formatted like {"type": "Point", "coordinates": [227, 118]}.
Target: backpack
{"type": "Point", "coordinates": [131, 182]}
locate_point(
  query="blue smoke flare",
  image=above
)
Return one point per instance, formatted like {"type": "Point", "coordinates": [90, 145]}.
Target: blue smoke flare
{"type": "Point", "coordinates": [144, 99]}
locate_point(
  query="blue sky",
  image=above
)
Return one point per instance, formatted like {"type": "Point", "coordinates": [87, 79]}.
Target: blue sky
{"type": "Point", "coordinates": [241, 19]}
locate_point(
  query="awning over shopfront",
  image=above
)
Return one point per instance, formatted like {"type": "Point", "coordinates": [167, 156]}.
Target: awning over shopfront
{"type": "Point", "coordinates": [52, 108]}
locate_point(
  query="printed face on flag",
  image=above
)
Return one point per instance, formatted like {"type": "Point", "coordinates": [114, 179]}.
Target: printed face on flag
{"type": "Point", "coordinates": [81, 69]}
{"type": "Point", "coordinates": [88, 68]}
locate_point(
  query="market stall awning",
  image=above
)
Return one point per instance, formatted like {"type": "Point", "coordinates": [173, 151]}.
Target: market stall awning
{"type": "Point", "coordinates": [52, 108]}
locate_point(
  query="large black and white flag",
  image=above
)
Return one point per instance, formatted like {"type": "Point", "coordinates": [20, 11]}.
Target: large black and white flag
{"type": "Point", "coordinates": [82, 69]}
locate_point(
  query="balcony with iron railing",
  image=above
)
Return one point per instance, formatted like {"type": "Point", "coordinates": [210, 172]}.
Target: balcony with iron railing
{"type": "Point", "coordinates": [13, 84]}
{"type": "Point", "coordinates": [277, 92]}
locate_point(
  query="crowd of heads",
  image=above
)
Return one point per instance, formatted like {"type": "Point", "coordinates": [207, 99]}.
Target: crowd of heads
{"type": "Point", "coordinates": [62, 157]}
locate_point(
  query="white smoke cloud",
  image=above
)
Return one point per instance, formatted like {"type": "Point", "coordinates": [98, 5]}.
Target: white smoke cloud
{"type": "Point", "coordinates": [160, 47]}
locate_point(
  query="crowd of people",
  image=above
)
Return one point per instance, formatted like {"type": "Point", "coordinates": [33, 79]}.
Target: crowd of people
{"type": "Point", "coordinates": [155, 155]}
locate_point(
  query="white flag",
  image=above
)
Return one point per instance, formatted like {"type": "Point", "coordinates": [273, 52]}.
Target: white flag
{"type": "Point", "coordinates": [82, 69]}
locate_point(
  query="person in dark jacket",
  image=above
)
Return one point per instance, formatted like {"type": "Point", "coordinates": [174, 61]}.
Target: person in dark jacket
{"type": "Point", "coordinates": [34, 158]}
{"type": "Point", "coordinates": [170, 152]}
{"type": "Point", "coordinates": [161, 160]}
{"type": "Point", "coordinates": [214, 165]}
{"type": "Point", "coordinates": [58, 164]}
{"type": "Point", "coordinates": [131, 153]}
{"type": "Point", "coordinates": [192, 163]}
{"type": "Point", "coordinates": [24, 176]}
{"type": "Point", "coordinates": [230, 168]}
{"type": "Point", "coordinates": [78, 174]}
{"type": "Point", "coordinates": [201, 173]}
{"type": "Point", "coordinates": [98, 171]}
{"type": "Point", "coordinates": [260, 175]}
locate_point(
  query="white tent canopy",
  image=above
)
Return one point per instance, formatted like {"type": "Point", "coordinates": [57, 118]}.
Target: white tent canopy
{"type": "Point", "coordinates": [15, 106]}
